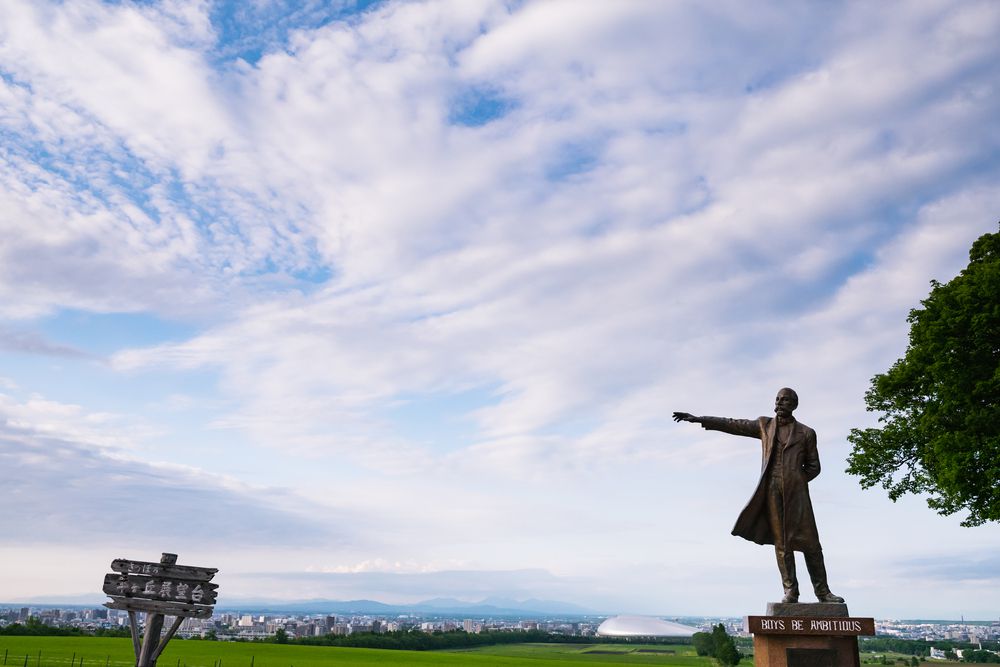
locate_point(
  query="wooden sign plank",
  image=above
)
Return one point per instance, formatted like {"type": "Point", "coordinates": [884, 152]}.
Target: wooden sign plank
{"type": "Point", "coordinates": [158, 588]}
{"type": "Point", "coordinates": [160, 607]}
{"type": "Point", "coordinates": [171, 571]}
{"type": "Point", "coordinates": [809, 625]}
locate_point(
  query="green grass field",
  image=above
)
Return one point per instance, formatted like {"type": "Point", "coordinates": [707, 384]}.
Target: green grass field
{"type": "Point", "coordinates": [592, 654]}
{"type": "Point", "coordinates": [106, 652]}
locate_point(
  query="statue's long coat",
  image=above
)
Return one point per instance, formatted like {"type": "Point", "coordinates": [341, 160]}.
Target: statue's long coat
{"type": "Point", "coordinates": [800, 465]}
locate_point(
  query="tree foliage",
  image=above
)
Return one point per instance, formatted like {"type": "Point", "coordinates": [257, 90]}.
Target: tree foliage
{"type": "Point", "coordinates": [702, 643]}
{"type": "Point", "coordinates": [919, 647]}
{"type": "Point", "coordinates": [723, 647]}
{"type": "Point", "coordinates": [35, 627]}
{"type": "Point", "coordinates": [980, 657]}
{"type": "Point", "coordinates": [417, 640]}
{"type": "Point", "coordinates": [717, 644]}
{"type": "Point", "coordinates": [940, 403]}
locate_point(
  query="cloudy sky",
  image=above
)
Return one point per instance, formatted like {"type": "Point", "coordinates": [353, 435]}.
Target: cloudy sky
{"type": "Point", "coordinates": [393, 300]}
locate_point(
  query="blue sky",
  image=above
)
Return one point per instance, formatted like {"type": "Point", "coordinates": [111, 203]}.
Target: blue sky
{"type": "Point", "coordinates": [394, 299]}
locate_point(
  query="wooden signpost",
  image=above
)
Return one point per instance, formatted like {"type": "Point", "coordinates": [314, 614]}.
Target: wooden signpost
{"type": "Point", "coordinates": [159, 589]}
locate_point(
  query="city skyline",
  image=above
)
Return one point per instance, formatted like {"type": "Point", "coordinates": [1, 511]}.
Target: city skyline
{"type": "Point", "coordinates": [263, 622]}
{"type": "Point", "coordinates": [394, 300]}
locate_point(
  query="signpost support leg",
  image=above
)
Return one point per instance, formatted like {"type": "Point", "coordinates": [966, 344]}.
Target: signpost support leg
{"type": "Point", "coordinates": [151, 640]}
{"type": "Point", "coordinates": [134, 626]}
{"type": "Point", "coordinates": [167, 637]}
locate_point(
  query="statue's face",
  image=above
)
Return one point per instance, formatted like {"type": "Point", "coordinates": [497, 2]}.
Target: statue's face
{"type": "Point", "coordinates": [785, 403]}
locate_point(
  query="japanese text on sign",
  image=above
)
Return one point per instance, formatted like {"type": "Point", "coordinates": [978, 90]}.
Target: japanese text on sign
{"type": "Point", "coordinates": [141, 586]}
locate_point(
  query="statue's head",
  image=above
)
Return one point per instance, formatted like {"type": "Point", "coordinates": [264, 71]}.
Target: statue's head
{"type": "Point", "coordinates": [785, 402]}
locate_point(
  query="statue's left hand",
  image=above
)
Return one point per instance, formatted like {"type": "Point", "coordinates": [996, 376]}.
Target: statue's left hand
{"type": "Point", "coordinates": [684, 417]}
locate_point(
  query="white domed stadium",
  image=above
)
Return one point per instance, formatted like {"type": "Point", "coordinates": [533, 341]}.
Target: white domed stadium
{"type": "Point", "coordinates": [643, 626]}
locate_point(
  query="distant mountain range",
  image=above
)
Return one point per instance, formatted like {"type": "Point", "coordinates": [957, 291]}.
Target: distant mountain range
{"type": "Point", "coordinates": [488, 607]}
{"type": "Point", "coordinates": [493, 606]}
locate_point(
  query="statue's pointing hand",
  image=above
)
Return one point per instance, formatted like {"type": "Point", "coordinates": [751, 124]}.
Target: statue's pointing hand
{"type": "Point", "coordinates": [684, 417]}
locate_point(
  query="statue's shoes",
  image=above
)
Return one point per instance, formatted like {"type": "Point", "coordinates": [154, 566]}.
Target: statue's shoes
{"type": "Point", "coordinates": [830, 597]}
{"type": "Point", "coordinates": [790, 598]}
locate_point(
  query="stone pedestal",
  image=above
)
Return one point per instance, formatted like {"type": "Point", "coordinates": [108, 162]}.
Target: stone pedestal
{"type": "Point", "coordinates": [807, 635]}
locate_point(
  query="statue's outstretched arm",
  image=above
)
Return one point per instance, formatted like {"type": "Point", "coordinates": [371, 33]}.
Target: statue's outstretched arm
{"type": "Point", "coordinates": [748, 427]}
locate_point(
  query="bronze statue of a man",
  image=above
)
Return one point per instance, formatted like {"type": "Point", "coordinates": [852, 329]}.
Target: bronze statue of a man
{"type": "Point", "coordinates": [780, 512]}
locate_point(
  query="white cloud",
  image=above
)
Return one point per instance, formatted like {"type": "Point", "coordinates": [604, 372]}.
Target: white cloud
{"type": "Point", "coordinates": [671, 207]}
{"type": "Point", "coordinates": [564, 295]}
{"type": "Point", "coordinates": [47, 418]}
{"type": "Point", "coordinates": [71, 476]}
{"type": "Point", "coordinates": [121, 68]}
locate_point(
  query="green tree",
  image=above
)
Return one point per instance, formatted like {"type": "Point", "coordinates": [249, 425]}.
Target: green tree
{"type": "Point", "coordinates": [280, 636]}
{"type": "Point", "coordinates": [723, 647]}
{"type": "Point", "coordinates": [703, 644]}
{"type": "Point", "coordinates": [980, 657]}
{"type": "Point", "coordinates": [940, 403]}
